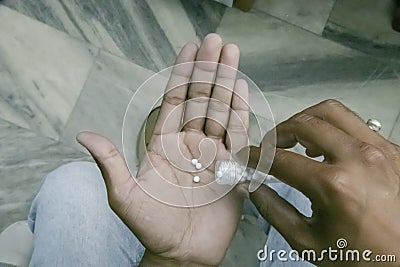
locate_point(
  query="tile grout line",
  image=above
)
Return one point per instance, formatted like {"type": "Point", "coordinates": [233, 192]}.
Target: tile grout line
{"type": "Point", "coordinates": [90, 73]}
{"type": "Point", "coordinates": [329, 15]}
{"type": "Point", "coordinates": [84, 42]}
{"type": "Point", "coordinates": [258, 11]}
{"type": "Point", "coordinates": [95, 57]}
{"type": "Point", "coordinates": [371, 78]}
{"type": "Point", "coordinates": [394, 126]}
{"type": "Point", "coordinates": [398, 116]}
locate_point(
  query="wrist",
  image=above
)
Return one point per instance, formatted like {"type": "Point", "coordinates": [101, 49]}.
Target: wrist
{"type": "Point", "coordinates": [150, 260]}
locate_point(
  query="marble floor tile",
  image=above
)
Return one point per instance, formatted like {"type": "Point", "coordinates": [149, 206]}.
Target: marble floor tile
{"type": "Point", "coordinates": [124, 28]}
{"type": "Point", "coordinates": [283, 107]}
{"type": "Point", "coordinates": [277, 55]}
{"type": "Point", "coordinates": [25, 158]}
{"type": "Point", "coordinates": [205, 15]}
{"type": "Point", "coordinates": [174, 21]}
{"type": "Point", "coordinates": [104, 99]}
{"type": "Point", "coordinates": [307, 14]}
{"type": "Point", "coordinates": [146, 32]}
{"type": "Point", "coordinates": [373, 98]}
{"type": "Point", "coordinates": [11, 111]}
{"type": "Point", "coordinates": [365, 25]}
{"type": "Point", "coordinates": [395, 132]}
{"type": "Point", "coordinates": [43, 71]}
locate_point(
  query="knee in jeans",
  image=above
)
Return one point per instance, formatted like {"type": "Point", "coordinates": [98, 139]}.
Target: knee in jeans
{"type": "Point", "coordinates": [73, 179]}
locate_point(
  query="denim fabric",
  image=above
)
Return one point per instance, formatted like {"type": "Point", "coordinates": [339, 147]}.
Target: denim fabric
{"type": "Point", "coordinates": [275, 240]}
{"type": "Point", "coordinates": [73, 224]}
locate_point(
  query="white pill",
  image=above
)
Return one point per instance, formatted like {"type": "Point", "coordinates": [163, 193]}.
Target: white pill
{"type": "Point", "coordinates": [219, 174]}
{"type": "Point", "coordinates": [196, 179]}
{"type": "Point", "coordinates": [198, 166]}
{"type": "Point", "coordinates": [194, 161]}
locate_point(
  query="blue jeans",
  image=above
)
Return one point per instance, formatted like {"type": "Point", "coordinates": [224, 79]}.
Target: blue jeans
{"type": "Point", "coordinates": [73, 224]}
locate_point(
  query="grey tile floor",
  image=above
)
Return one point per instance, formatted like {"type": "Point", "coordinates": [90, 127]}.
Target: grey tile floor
{"type": "Point", "coordinates": [366, 26]}
{"type": "Point", "coordinates": [67, 66]}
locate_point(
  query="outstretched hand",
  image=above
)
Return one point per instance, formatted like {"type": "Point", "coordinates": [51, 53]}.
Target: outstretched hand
{"type": "Point", "coordinates": [197, 236]}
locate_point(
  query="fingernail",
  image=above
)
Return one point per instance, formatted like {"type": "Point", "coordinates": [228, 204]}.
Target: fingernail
{"type": "Point", "coordinates": [82, 137]}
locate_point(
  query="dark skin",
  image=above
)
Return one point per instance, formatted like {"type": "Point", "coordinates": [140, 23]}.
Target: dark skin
{"type": "Point", "coordinates": [354, 192]}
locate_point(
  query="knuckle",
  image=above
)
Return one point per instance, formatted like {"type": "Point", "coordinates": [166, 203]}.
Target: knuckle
{"type": "Point", "coordinates": [110, 154]}
{"type": "Point", "coordinates": [281, 154]}
{"type": "Point", "coordinates": [392, 151]}
{"type": "Point", "coordinates": [344, 189]}
{"type": "Point", "coordinates": [338, 181]}
{"type": "Point", "coordinates": [303, 117]}
{"type": "Point", "coordinates": [347, 194]}
{"type": "Point", "coordinates": [206, 68]}
{"type": "Point", "coordinates": [218, 106]}
{"type": "Point", "coordinates": [332, 103]}
{"type": "Point", "coordinates": [200, 90]}
{"type": "Point", "coordinates": [173, 99]}
{"type": "Point", "coordinates": [198, 99]}
{"type": "Point", "coordinates": [371, 154]}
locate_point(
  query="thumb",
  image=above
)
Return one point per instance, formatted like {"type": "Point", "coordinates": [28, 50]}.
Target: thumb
{"type": "Point", "coordinates": [284, 217]}
{"type": "Point", "coordinates": [108, 158]}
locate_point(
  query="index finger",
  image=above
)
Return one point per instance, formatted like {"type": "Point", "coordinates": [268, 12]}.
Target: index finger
{"type": "Point", "coordinates": [291, 168]}
{"type": "Point", "coordinates": [298, 171]}
{"type": "Point", "coordinates": [175, 92]}
{"type": "Point", "coordinates": [316, 134]}
{"type": "Point", "coordinates": [345, 119]}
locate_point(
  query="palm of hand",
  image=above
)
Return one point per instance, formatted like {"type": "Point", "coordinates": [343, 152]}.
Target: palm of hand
{"type": "Point", "coordinates": [184, 233]}
{"type": "Point", "coordinates": [196, 235]}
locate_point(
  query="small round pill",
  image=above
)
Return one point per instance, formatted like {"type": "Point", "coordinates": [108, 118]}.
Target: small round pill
{"type": "Point", "coordinates": [219, 174]}
{"type": "Point", "coordinates": [195, 161]}
{"type": "Point", "coordinates": [198, 166]}
{"type": "Point", "coordinates": [196, 179]}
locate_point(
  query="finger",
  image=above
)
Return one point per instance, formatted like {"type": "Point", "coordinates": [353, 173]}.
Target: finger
{"type": "Point", "coordinates": [203, 75]}
{"type": "Point", "coordinates": [170, 116]}
{"type": "Point", "coordinates": [297, 171]}
{"type": "Point", "coordinates": [248, 156]}
{"type": "Point", "coordinates": [345, 119]}
{"type": "Point", "coordinates": [313, 152]}
{"type": "Point", "coordinates": [291, 168]}
{"type": "Point", "coordinates": [221, 97]}
{"type": "Point", "coordinates": [238, 125]}
{"type": "Point", "coordinates": [283, 216]}
{"type": "Point", "coordinates": [315, 134]}
{"type": "Point", "coordinates": [108, 158]}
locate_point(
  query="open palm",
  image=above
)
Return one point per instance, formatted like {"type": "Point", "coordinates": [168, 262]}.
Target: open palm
{"type": "Point", "coordinates": [175, 218]}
